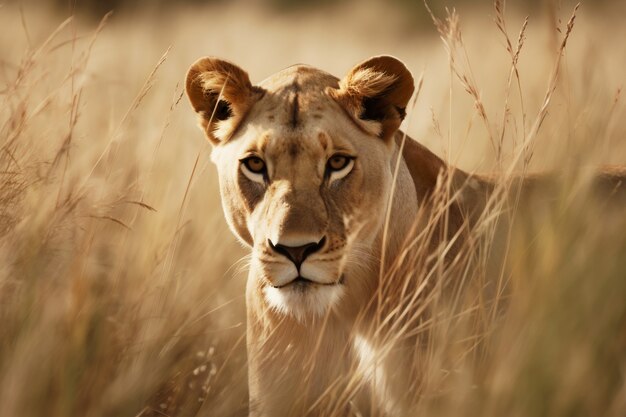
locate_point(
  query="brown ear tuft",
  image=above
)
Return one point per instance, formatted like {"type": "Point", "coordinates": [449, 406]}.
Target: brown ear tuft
{"type": "Point", "coordinates": [376, 93]}
{"type": "Point", "coordinates": [221, 93]}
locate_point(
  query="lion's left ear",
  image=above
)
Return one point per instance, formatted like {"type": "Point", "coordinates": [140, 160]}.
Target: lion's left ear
{"type": "Point", "coordinates": [375, 93]}
{"type": "Point", "coordinates": [221, 93]}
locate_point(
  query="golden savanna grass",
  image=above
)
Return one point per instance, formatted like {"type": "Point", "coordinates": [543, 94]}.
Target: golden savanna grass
{"type": "Point", "coordinates": [121, 288]}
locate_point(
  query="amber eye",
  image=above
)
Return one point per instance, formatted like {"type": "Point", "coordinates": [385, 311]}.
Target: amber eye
{"type": "Point", "coordinates": [338, 162]}
{"type": "Point", "coordinates": [254, 164]}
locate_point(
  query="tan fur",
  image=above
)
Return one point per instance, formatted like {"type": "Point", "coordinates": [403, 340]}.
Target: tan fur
{"type": "Point", "coordinates": [302, 343]}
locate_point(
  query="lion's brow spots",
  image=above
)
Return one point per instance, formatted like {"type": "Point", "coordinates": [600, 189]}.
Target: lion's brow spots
{"type": "Point", "coordinates": [323, 139]}
{"type": "Point", "coordinates": [262, 142]}
{"type": "Point", "coordinates": [328, 143]}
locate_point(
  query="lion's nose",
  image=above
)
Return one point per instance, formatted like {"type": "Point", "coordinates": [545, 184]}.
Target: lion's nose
{"type": "Point", "coordinates": [297, 254]}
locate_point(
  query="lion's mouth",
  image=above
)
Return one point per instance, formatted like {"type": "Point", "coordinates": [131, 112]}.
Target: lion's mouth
{"type": "Point", "coordinates": [301, 282]}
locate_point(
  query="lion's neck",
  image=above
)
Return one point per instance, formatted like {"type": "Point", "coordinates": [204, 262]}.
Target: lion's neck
{"type": "Point", "coordinates": [425, 167]}
{"type": "Point", "coordinates": [404, 209]}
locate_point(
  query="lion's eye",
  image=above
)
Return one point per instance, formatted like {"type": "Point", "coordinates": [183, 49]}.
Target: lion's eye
{"type": "Point", "coordinates": [338, 162]}
{"type": "Point", "coordinates": [254, 164]}
{"type": "Point", "coordinates": [338, 166]}
{"type": "Point", "coordinates": [254, 168]}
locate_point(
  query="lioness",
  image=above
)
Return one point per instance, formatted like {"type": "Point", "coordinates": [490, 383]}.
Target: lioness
{"type": "Point", "coordinates": [306, 165]}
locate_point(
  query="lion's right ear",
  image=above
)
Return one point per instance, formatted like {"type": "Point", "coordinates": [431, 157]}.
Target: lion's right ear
{"type": "Point", "coordinates": [221, 93]}
{"type": "Point", "coordinates": [376, 93]}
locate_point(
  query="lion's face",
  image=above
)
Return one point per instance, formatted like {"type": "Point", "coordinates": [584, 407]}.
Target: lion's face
{"type": "Point", "coordinates": [305, 171]}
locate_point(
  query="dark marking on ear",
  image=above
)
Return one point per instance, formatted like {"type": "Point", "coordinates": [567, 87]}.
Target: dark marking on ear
{"type": "Point", "coordinates": [223, 110]}
{"type": "Point", "coordinates": [373, 109]}
{"type": "Point", "coordinates": [270, 118]}
{"type": "Point", "coordinates": [401, 112]}
{"type": "Point", "coordinates": [317, 116]}
{"type": "Point", "coordinates": [376, 109]}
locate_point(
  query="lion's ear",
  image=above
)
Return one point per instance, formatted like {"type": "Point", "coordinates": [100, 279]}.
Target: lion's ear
{"type": "Point", "coordinates": [376, 93]}
{"type": "Point", "coordinates": [221, 93]}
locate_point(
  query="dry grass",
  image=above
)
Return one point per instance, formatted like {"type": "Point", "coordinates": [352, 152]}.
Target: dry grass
{"type": "Point", "coordinates": [121, 289]}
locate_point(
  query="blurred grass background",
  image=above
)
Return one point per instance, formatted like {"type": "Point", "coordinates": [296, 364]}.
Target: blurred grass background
{"type": "Point", "coordinates": [121, 288]}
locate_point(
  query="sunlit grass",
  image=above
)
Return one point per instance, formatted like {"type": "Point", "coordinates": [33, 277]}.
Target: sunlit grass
{"type": "Point", "coordinates": [121, 288]}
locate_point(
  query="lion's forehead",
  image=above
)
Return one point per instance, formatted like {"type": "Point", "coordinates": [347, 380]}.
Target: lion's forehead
{"type": "Point", "coordinates": [309, 78]}
{"type": "Point", "coordinates": [295, 98]}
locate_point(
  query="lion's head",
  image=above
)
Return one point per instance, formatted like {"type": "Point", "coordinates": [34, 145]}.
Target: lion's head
{"type": "Point", "coordinates": [305, 164]}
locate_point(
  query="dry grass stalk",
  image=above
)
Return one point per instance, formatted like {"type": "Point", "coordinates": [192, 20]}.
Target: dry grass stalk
{"type": "Point", "coordinates": [87, 329]}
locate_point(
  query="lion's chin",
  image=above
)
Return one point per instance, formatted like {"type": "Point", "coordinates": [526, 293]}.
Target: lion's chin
{"type": "Point", "coordinates": [303, 300]}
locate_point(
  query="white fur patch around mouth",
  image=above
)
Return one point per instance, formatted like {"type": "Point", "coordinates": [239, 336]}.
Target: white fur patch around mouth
{"type": "Point", "coordinates": [303, 283]}
{"type": "Point", "coordinates": [304, 300]}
